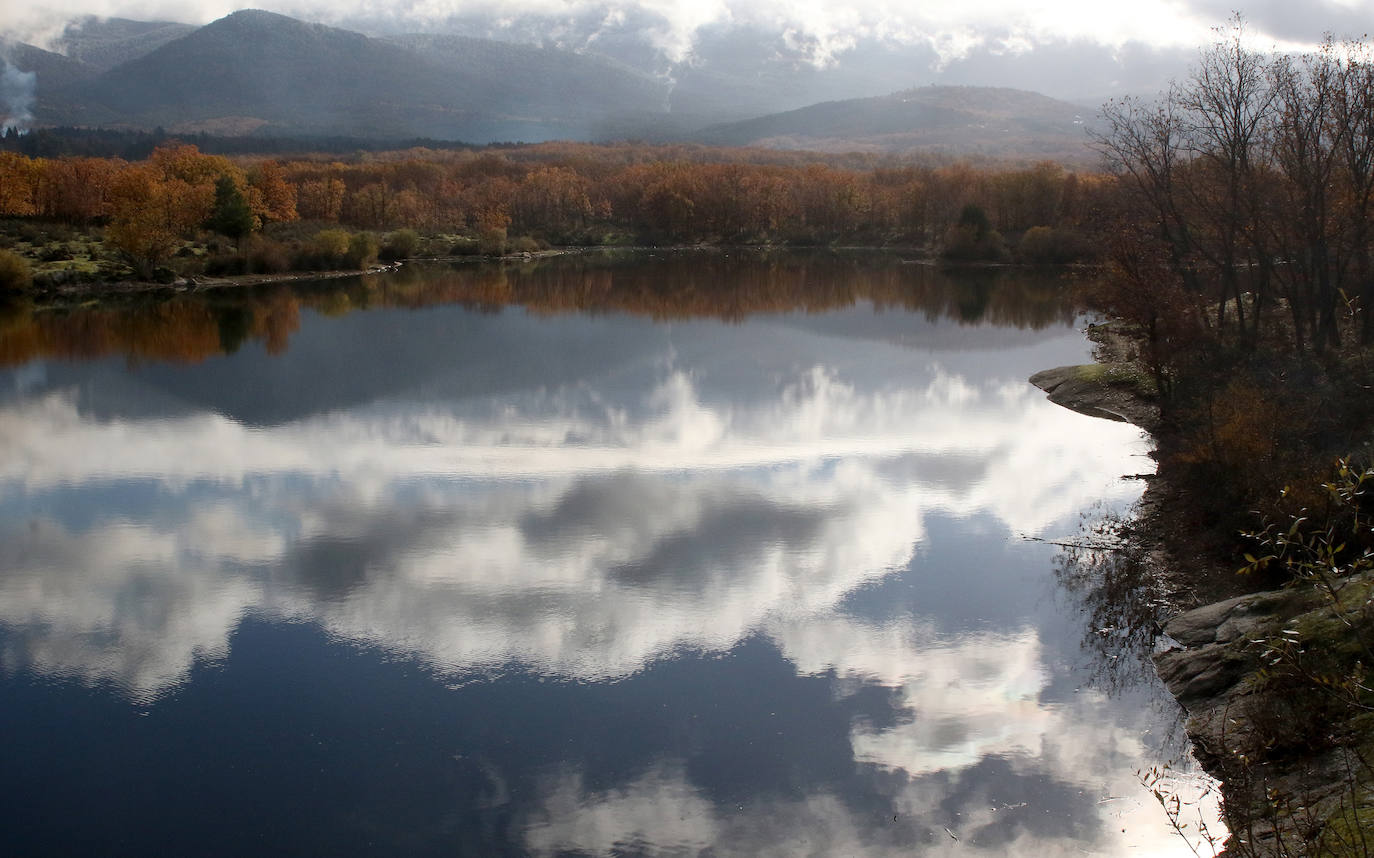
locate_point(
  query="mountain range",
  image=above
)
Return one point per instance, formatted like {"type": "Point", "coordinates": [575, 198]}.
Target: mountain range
{"type": "Point", "coordinates": [255, 72]}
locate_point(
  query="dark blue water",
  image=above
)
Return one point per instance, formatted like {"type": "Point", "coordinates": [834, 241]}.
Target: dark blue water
{"type": "Point", "coordinates": [589, 558]}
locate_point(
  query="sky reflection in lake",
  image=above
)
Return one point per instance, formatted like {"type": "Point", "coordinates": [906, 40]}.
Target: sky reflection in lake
{"type": "Point", "coordinates": [637, 587]}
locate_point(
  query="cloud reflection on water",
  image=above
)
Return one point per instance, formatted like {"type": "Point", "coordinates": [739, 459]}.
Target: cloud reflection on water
{"type": "Point", "coordinates": [588, 532]}
{"type": "Point", "coordinates": [977, 763]}
{"type": "Point", "coordinates": [584, 545]}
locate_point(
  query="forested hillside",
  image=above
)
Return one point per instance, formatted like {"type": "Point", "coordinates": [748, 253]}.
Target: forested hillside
{"type": "Point", "coordinates": [964, 119]}
{"type": "Point", "coordinates": [261, 72]}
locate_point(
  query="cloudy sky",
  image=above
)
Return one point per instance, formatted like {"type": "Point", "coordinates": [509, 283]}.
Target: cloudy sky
{"type": "Point", "coordinates": [1079, 50]}
{"type": "Point", "coordinates": [952, 29]}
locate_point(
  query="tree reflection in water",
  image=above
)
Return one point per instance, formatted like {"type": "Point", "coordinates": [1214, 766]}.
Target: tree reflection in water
{"type": "Point", "coordinates": [190, 328]}
{"type": "Point", "coordinates": [1122, 604]}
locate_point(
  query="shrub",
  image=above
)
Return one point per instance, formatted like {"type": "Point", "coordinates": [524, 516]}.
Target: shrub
{"type": "Point", "coordinates": [362, 250]}
{"type": "Point", "coordinates": [465, 247]}
{"type": "Point", "coordinates": [330, 243]}
{"type": "Point", "coordinates": [965, 243]}
{"type": "Point", "coordinates": [973, 238]}
{"type": "Point", "coordinates": [324, 251]}
{"type": "Point", "coordinates": [225, 265]}
{"type": "Point", "coordinates": [401, 244]}
{"type": "Point", "coordinates": [1045, 245]}
{"type": "Point", "coordinates": [523, 244]}
{"type": "Point", "coordinates": [973, 218]}
{"type": "Point", "coordinates": [15, 274]}
{"type": "Point", "coordinates": [190, 265]}
{"type": "Point", "coordinates": [266, 256]}
{"type": "Point", "coordinates": [492, 241]}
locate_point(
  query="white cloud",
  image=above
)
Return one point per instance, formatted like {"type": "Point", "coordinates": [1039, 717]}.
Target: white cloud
{"type": "Point", "coordinates": [826, 29]}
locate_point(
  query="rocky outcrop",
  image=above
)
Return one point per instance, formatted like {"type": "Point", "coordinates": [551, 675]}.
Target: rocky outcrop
{"type": "Point", "coordinates": [1288, 754]}
{"type": "Point", "coordinates": [1205, 650]}
{"type": "Point", "coordinates": [1098, 391]}
{"type": "Point", "coordinates": [1259, 675]}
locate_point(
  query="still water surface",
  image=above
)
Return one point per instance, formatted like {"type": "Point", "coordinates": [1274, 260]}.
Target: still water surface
{"type": "Point", "coordinates": [689, 555]}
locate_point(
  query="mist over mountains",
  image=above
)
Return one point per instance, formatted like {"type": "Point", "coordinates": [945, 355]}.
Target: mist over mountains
{"type": "Point", "coordinates": [256, 72]}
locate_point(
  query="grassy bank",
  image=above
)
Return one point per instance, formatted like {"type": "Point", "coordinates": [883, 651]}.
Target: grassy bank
{"type": "Point", "coordinates": [47, 255]}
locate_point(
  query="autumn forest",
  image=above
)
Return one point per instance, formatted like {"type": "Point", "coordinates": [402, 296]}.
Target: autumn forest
{"type": "Point", "coordinates": [550, 194]}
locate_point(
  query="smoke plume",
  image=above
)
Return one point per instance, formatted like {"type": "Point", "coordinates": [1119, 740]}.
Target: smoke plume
{"type": "Point", "coordinates": [17, 90]}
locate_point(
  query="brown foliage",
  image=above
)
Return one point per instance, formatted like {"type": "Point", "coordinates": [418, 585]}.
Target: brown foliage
{"type": "Point", "coordinates": [562, 192]}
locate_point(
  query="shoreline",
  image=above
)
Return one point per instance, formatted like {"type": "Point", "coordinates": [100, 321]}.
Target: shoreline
{"type": "Point", "coordinates": [94, 290]}
{"type": "Point", "coordinates": [192, 285]}
{"type": "Point", "coordinates": [1209, 654]}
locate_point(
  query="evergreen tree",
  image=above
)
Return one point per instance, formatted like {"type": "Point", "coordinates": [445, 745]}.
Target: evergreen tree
{"type": "Point", "coordinates": [231, 216]}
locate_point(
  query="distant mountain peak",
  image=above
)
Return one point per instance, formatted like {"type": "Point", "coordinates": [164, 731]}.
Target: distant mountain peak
{"type": "Point", "coordinates": [991, 121]}
{"type": "Point", "coordinates": [257, 16]}
{"type": "Point", "coordinates": [262, 70]}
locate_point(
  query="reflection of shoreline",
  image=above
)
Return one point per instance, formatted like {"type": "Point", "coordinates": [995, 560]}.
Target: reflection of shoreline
{"type": "Point", "coordinates": [192, 328]}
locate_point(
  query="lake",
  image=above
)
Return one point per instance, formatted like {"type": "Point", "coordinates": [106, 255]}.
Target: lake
{"type": "Point", "coordinates": [669, 554]}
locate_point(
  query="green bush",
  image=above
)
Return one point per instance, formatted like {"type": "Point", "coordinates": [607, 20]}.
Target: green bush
{"type": "Point", "coordinates": [362, 250]}
{"type": "Point", "coordinates": [973, 218]}
{"type": "Point", "coordinates": [330, 243]}
{"type": "Point", "coordinates": [326, 250]}
{"type": "Point", "coordinates": [15, 274]}
{"type": "Point", "coordinates": [492, 241]}
{"type": "Point", "coordinates": [401, 244]}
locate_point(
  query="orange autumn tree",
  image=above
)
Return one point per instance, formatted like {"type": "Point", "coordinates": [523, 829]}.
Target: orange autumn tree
{"type": "Point", "coordinates": [321, 199]}
{"type": "Point", "coordinates": [269, 195]}
{"type": "Point", "coordinates": [553, 199]}
{"type": "Point", "coordinates": [156, 205]}
{"type": "Point", "coordinates": [77, 190]}
{"type": "Point", "coordinates": [150, 215]}
{"type": "Point", "coordinates": [19, 181]}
